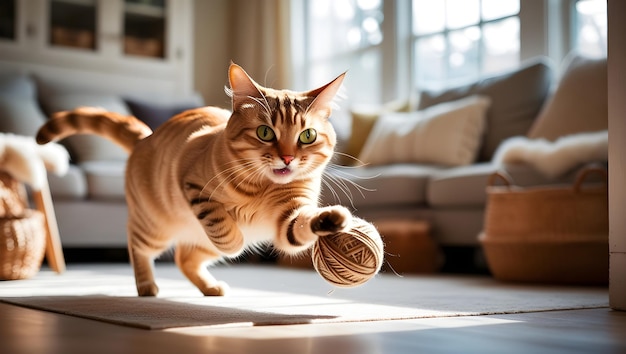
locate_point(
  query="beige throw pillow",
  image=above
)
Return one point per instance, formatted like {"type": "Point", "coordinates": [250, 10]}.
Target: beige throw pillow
{"type": "Point", "coordinates": [580, 102]}
{"type": "Point", "coordinates": [445, 134]}
{"type": "Point", "coordinates": [363, 121]}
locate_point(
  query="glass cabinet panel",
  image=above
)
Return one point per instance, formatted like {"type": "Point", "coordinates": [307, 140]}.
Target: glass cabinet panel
{"type": "Point", "coordinates": [144, 28]}
{"type": "Point", "coordinates": [8, 15]}
{"type": "Point", "coordinates": [73, 23]}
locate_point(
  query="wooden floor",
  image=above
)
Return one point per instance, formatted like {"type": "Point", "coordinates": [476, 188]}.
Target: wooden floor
{"type": "Point", "coordinates": [578, 331]}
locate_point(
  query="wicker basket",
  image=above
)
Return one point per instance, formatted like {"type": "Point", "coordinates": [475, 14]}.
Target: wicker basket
{"type": "Point", "coordinates": [547, 234]}
{"type": "Point", "coordinates": [22, 245]}
{"type": "Point", "coordinates": [12, 197]}
{"type": "Point", "coordinates": [22, 232]}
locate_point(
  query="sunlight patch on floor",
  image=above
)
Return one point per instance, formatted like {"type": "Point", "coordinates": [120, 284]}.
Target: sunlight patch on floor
{"type": "Point", "coordinates": [341, 329]}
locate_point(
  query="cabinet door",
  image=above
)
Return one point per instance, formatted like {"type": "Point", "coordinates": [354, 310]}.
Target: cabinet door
{"type": "Point", "coordinates": [120, 45]}
{"type": "Point", "coordinates": [8, 20]}
{"type": "Point", "coordinates": [73, 24]}
{"type": "Point", "coordinates": [144, 24]}
{"type": "Point", "coordinates": [18, 27]}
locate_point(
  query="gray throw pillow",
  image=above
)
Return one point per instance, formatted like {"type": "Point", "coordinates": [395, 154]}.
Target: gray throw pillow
{"type": "Point", "coordinates": [154, 115]}
{"type": "Point", "coordinates": [579, 103]}
{"type": "Point", "coordinates": [14, 84]}
{"type": "Point", "coordinates": [20, 115]}
{"type": "Point", "coordinates": [516, 99]}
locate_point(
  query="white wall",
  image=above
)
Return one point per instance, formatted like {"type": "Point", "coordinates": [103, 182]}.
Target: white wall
{"type": "Point", "coordinates": [212, 50]}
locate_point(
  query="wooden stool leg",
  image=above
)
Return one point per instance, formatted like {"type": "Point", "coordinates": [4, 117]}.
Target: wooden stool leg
{"type": "Point", "coordinates": [54, 251]}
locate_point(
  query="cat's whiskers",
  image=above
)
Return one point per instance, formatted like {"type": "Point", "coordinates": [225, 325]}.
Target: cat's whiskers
{"type": "Point", "coordinates": [257, 173]}
{"type": "Point", "coordinates": [342, 174]}
{"type": "Point", "coordinates": [340, 180]}
{"type": "Point", "coordinates": [236, 164]}
{"type": "Point", "coordinates": [351, 157]}
{"type": "Point", "coordinates": [332, 190]}
{"type": "Point", "coordinates": [342, 186]}
{"type": "Point", "coordinates": [232, 173]}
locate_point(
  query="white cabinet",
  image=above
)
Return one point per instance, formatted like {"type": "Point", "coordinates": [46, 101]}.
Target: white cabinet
{"type": "Point", "coordinates": [123, 45]}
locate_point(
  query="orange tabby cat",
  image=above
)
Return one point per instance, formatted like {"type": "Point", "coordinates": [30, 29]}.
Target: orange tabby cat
{"type": "Point", "coordinates": [211, 183]}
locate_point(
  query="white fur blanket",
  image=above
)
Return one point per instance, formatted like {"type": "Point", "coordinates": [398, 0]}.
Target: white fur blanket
{"type": "Point", "coordinates": [554, 158]}
{"type": "Point", "coordinates": [27, 161]}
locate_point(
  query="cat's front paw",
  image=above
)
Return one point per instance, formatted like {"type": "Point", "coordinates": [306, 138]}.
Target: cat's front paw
{"type": "Point", "coordinates": [331, 220]}
{"type": "Point", "coordinates": [147, 289]}
{"type": "Point", "coordinates": [218, 289]}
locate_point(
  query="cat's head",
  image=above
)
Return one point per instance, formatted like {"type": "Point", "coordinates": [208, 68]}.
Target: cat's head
{"type": "Point", "coordinates": [281, 135]}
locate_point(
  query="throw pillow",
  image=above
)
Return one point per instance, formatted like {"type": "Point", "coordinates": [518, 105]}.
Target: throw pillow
{"type": "Point", "coordinates": [516, 96]}
{"type": "Point", "coordinates": [445, 134]}
{"type": "Point", "coordinates": [155, 115]}
{"type": "Point", "coordinates": [20, 115]}
{"type": "Point", "coordinates": [14, 84]}
{"type": "Point", "coordinates": [580, 102]}
{"type": "Point", "coordinates": [363, 121]}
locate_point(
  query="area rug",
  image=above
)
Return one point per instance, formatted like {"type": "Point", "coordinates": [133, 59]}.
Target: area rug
{"type": "Point", "coordinates": [263, 295]}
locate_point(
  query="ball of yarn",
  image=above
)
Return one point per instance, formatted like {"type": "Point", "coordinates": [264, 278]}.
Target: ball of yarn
{"type": "Point", "coordinates": [349, 258]}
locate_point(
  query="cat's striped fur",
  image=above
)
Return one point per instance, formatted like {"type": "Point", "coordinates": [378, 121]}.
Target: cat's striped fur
{"type": "Point", "coordinates": [212, 183]}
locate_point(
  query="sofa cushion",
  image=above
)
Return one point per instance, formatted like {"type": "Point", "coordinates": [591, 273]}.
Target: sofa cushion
{"type": "Point", "coordinates": [516, 97]}
{"type": "Point", "coordinates": [399, 184]}
{"type": "Point", "coordinates": [465, 186]}
{"type": "Point", "coordinates": [88, 147]}
{"type": "Point", "coordinates": [72, 185]}
{"type": "Point", "coordinates": [462, 186]}
{"type": "Point", "coordinates": [445, 134]}
{"type": "Point", "coordinates": [580, 102]}
{"type": "Point", "coordinates": [105, 179]}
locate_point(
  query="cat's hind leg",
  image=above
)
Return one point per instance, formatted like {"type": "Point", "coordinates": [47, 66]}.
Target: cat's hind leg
{"type": "Point", "coordinates": [143, 248]}
{"type": "Point", "coordinates": [193, 261]}
{"type": "Point", "coordinates": [142, 261]}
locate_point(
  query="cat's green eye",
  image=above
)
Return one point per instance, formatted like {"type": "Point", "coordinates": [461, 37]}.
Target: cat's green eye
{"type": "Point", "coordinates": [265, 133]}
{"type": "Point", "coordinates": [308, 136]}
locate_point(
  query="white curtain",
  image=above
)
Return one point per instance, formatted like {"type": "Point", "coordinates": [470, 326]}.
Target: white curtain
{"type": "Point", "coordinates": [261, 40]}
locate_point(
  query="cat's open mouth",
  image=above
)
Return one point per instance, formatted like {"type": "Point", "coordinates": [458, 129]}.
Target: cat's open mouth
{"type": "Point", "coordinates": [282, 171]}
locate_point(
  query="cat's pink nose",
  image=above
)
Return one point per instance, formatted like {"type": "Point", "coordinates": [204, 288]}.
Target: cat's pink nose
{"type": "Point", "coordinates": [287, 159]}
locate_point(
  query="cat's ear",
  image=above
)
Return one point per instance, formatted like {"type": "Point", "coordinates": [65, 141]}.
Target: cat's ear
{"type": "Point", "coordinates": [324, 96]}
{"type": "Point", "coordinates": [242, 87]}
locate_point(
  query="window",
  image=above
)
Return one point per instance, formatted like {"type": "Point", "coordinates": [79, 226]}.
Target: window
{"type": "Point", "coordinates": [341, 35]}
{"type": "Point", "coordinates": [456, 41]}
{"type": "Point", "coordinates": [591, 27]}
{"type": "Point", "coordinates": [390, 48]}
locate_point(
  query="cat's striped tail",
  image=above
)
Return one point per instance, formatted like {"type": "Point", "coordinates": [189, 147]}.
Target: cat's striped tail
{"type": "Point", "coordinates": [123, 130]}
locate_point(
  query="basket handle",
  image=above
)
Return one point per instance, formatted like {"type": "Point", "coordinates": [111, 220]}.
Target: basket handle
{"type": "Point", "coordinates": [585, 172]}
{"type": "Point", "coordinates": [502, 175]}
